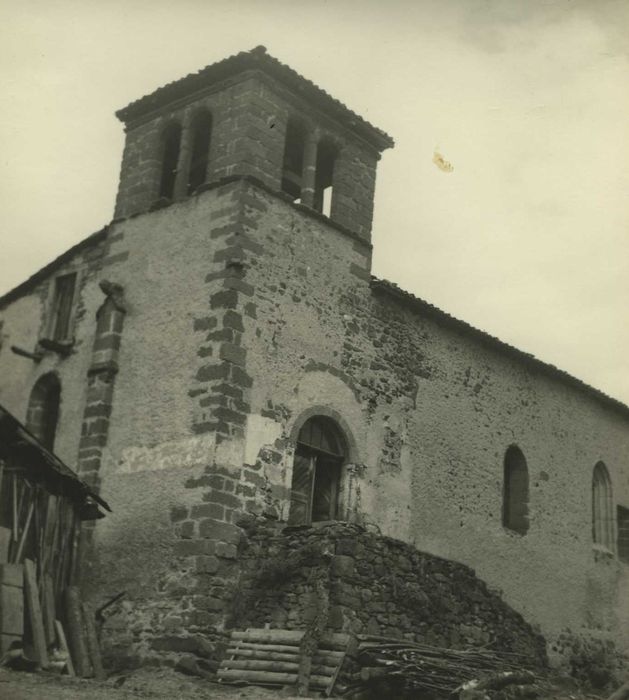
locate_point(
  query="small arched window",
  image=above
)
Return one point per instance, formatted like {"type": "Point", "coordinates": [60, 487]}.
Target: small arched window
{"type": "Point", "coordinates": [43, 409]}
{"type": "Point", "coordinates": [292, 169]}
{"type": "Point", "coordinates": [200, 138]}
{"type": "Point", "coordinates": [171, 142]}
{"type": "Point", "coordinates": [319, 456]}
{"type": "Point", "coordinates": [515, 501]}
{"type": "Point", "coordinates": [602, 507]}
{"type": "Point", "coordinates": [326, 157]}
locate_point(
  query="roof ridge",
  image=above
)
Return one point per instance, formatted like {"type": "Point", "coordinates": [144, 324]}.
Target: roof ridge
{"type": "Point", "coordinates": [557, 372]}
{"type": "Point", "coordinates": [256, 57]}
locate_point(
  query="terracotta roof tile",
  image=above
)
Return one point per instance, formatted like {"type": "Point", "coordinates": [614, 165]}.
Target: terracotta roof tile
{"type": "Point", "coordinates": [259, 59]}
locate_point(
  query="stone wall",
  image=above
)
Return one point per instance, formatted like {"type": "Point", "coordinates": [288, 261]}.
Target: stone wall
{"type": "Point", "coordinates": [376, 585]}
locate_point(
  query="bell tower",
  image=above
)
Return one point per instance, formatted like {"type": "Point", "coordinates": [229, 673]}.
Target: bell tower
{"type": "Point", "coordinates": [250, 116]}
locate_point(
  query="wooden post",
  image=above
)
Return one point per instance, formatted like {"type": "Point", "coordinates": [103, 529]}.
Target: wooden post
{"type": "Point", "coordinates": [74, 625]}
{"type": "Point", "coordinates": [48, 604]}
{"type": "Point", "coordinates": [34, 613]}
{"type": "Point", "coordinates": [92, 642]}
{"type": "Point", "coordinates": [25, 532]}
{"type": "Point", "coordinates": [63, 644]}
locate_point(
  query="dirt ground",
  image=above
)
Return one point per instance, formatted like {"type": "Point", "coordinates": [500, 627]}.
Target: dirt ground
{"type": "Point", "coordinates": [162, 684]}
{"type": "Point", "coordinates": [166, 684]}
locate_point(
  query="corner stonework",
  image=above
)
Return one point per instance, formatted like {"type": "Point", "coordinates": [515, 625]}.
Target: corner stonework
{"type": "Point", "coordinates": [100, 382]}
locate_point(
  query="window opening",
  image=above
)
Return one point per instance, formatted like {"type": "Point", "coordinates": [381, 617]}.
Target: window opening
{"type": "Point", "coordinates": [171, 142]}
{"type": "Point", "coordinates": [293, 164]}
{"type": "Point", "coordinates": [43, 409]}
{"type": "Point", "coordinates": [326, 157]}
{"type": "Point", "coordinates": [319, 456]}
{"type": "Point", "coordinates": [602, 513]}
{"type": "Point", "coordinates": [62, 306]}
{"type": "Point", "coordinates": [623, 533]}
{"type": "Point", "coordinates": [515, 504]}
{"type": "Point", "coordinates": [200, 150]}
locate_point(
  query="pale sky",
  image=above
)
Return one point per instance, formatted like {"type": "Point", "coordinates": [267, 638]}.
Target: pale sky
{"type": "Point", "coordinates": [527, 238]}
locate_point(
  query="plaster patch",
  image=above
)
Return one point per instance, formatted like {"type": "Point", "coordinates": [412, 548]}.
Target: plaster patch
{"type": "Point", "coordinates": [192, 451]}
{"type": "Point", "coordinates": [260, 431]}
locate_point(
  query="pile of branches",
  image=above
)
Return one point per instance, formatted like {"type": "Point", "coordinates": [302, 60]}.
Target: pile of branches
{"type": "Point", "coordinates": [435, 670]}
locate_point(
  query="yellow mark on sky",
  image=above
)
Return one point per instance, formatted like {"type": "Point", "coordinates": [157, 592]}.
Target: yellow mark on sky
{"type": "Point", "coordinates": [442, 163]}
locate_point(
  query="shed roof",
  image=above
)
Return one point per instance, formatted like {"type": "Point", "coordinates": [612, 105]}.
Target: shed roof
{"type": "Point", "coordinates": [19, 446]}
{"type": "Point", "coordinates": [256, 59]}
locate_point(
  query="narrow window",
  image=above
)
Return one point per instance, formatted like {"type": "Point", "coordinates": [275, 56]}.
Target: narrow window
{"type": "Point", "coordinates": [62, 306]}
{"type": "Point", "coordinates": [200, 150]}
{"type": "Point", "coordinates": [171, 141]}
{"type": "Point", "coordinates": [326, 157]}
{"type": "Point", "coordinates": [319, 457]}
{"type": "Point", "coordinates": [623, 534]}
{"type": "Point", "coordinates": [43, 409]}
{"type": "Point", "coordinates": [515, 503]}
{"type": "Point", "coordinates": [602, 507]}
{"type": "Point", "coordinates": [293, 159]}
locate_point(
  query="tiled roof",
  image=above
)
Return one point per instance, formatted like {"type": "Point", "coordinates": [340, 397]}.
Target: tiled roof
{"type": "Point", "coordinates": [258, 59]}
{"type": "Point", "coordinates": [425, 307]}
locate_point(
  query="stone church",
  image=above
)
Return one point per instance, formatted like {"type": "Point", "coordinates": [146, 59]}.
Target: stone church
{"type": "Point", "coordinates": [221, 349]}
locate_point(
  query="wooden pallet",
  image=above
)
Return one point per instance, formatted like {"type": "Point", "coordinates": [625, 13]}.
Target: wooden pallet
{"type": "Point", "coordinates": [271, 657]}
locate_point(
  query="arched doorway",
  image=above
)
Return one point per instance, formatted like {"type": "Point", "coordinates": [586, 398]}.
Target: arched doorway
{"type": "Point", "coordinates": [43, 409]}
{"type": "Point", "coordinates": [319, 456]}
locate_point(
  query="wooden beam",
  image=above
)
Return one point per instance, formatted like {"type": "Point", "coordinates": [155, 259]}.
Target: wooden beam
{"type": "Point", "coordinates": [63, 644]}
{"type": "Point", "coordinates": [74, 624]}
{"type": "Point", "coordinates": [34, 612]}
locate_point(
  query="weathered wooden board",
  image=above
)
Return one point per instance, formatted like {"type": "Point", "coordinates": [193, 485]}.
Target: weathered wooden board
{"type": "Point", "coordinates": [48, 608]}
{"type": "Point", "coordinates": [5, 543]}
{"type": "Point", "coordinates": [34, 613]}
{"type": "Point", "coordinates": [63, 645]}
{"type": "Point", "coordinates": [11, 605]}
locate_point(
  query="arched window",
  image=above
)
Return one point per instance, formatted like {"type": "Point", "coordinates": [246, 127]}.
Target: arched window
{"type": "Point", "coordinates": [515, 501]}
{"type": "Point", "coordinates": [171, 142]}
{"type": "Point", "coordinates": [602, 507]}
{"type": "Point", "coordinates": [293, 165]}
{"type": "Point", "coordinates": [43, 409]}
{"type": "Point", "coordinates": [326, 157]}
{"type": "Point", "coordinates": [319, 456]}
{"type": "Point", "coordinates": [200, 137]}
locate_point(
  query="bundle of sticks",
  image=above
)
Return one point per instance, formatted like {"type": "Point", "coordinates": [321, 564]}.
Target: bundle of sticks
{"type": "Point", "coordinates": [429, 668]}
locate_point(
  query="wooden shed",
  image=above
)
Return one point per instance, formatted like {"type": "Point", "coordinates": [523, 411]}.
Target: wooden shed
{"type": "Point", "coordinates": [42, 502]}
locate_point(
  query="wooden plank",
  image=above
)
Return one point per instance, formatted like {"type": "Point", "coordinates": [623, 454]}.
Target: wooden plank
{"type": "Point", "coordinates": [268, 678]}
{"type": "Point", "coordinates": [14, 480]}
{"type": "Point", "coordinates": [288, 648]}
{"type": "Point", "coordinates": [5, 543]}
{"type": "Point", "coordinates": [34, 612]}
{"type": "Point", "coordinates": [269, 665]}
{"type": "Point", "coordinates": [48, 608]}
{"type": "Point", "coordinates": [335, 640]}
{"type": "Point", "coordinates": [330, 688]}
{"type": "Point", "coordinates": [74, 625]}
{"type": "Point", "coordinates": [11, 605]}
{"type": "Point", "coordinates": [93, 646]}
{"type": "Point", "coordinates": [25, 531]}
{"type": "Point", "coordinates": [260, 652]}
{"type": "Point", "coordinates": [63, 645]}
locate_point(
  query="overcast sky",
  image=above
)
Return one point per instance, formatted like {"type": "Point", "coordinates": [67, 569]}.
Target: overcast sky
{"type": "Point", "coordinates": [527, 237]}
